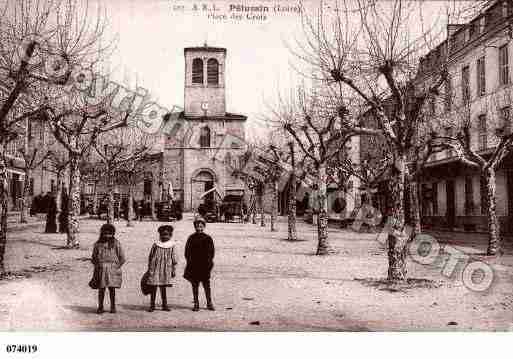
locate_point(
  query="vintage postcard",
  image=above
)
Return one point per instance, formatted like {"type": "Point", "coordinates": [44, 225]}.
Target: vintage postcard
{"type": "Point", "coordinates": [255, 166]}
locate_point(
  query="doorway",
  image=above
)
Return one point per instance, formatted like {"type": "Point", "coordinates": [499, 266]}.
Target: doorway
{"type": "Point", "coordinates": [450, 200]}
{"type": "Point", "coordinates": [208, 186]}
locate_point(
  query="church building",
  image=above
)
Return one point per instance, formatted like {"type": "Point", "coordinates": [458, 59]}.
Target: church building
{"type": "Point", "coordinates": [202, 156]}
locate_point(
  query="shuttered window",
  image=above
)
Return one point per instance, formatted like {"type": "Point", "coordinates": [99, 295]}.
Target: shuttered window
{"type": "Point", "coordinates": [503, 65]}
{"type": "Point", "coordinates": [212, 72]}
{"type": "Point", "coordinates": [197, 71]}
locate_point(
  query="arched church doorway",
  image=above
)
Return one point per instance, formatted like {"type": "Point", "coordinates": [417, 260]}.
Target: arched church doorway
{"type": "Point", "coordinates": [201, 182]}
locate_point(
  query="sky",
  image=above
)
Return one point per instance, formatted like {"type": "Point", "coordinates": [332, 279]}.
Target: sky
{"type": "Point", "coordinates": [152, 36]}
{"type": "Point", "coordinates": [153, 33]}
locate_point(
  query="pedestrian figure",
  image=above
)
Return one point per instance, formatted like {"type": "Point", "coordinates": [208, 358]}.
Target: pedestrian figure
{"type": "Point", "coordinates": [63, 215]}
{"type": "Point", "coordinates": [199, 253]}
{"type": "Point", "coordinates": [51, 214]}
{"type": "Point", "coordinates": [107, 258]}
{"type": "Point", "coordinates": [161, 266]}
{"type": "Point", "coordinates": [140, 210]}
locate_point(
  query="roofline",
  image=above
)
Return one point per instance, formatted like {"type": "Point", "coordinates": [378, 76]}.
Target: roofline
{"type": "Point", "coordinates": [204, 48]}
{"type": "Point", "coordinates": [233, 116]}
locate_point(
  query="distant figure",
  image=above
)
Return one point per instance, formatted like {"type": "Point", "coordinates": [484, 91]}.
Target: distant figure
{"type": "Point", "coordinates": [199, 253]}
{"type": "Point", "coordinates": [202, 209]}
{"type": "Point", "coordinates": [63, 216]}
{"type": "Point", "coordinates": [107, 258]}
{"type": "Point", "coordinates": [116, 209]}
{"type": "Point", "coordinates": [51, 214]}
{"type": "Point", "coordinates": [162, 266]}
{"type": "Point", "coordinates": [139, 210]}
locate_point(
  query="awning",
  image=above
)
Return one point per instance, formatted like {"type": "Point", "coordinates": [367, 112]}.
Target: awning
{"type": "Point", "coordinates": [214, 189]}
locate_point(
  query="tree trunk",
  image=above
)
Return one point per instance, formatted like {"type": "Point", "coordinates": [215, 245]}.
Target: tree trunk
{"type": "Point", "coordinates": [253, 208]}
{"type": "Point", "coordinates": [323, 246]}
{"type": "Point", "coordinates": [130, 206]}
{"type": "Point", "coordinates": [292, 234]}
{"type": "Point", "coordinates": [398, 237]}
{"type": "Point", "coordinates": [110, 198]}
{"type": "Point", "coordinates": [3, 210]}
{"type": "Point", "coordinates": [74, 202]}
{"type": "Point", "coordinates": [95, 198]}
{"type": "Point", "coordinates": [274, 208]}
{"type": "Point", "coordinates": [261, 206]}
{"type": "Point", "coordinates": [494, 238]}
{"type": "Point", "coordinates": [24, 196]}
{"type": "Point", "coordinates": [58, 194]}
{"type": "Point", "coordinates": [415, 207]}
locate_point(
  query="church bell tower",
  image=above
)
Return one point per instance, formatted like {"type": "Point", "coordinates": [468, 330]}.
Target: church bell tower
{"type": "Point", "coordinates": [205, 81]}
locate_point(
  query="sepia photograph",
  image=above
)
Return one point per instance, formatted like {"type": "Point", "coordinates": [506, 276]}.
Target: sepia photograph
{"type": "Point", "coordinates": [254, 166]}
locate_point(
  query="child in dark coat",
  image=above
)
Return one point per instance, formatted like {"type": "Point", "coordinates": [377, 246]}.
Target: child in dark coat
{"type": "Point", "coordinates": [199, 253]}
{"type": "Point", "coordinates": [161, 266]}
{"type": "Point", "coordinates": [107, 258]}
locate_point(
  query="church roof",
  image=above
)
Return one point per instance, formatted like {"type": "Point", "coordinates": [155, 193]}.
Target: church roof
{"type": "Point", "coordinates": [204, 48]}
{"type": "Point", "coordinates": [227, 116]}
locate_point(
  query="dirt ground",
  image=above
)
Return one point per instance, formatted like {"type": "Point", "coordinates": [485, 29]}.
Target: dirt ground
{"type": "Point", "coordinates": [261, 282]}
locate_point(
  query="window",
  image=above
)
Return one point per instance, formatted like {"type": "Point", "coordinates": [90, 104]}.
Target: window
{"type": "Point", "coordinates": [503, 65]}
{"type": "Point", "coordinates": [469, 199]}
{"type": "Point", "coordinates": [205, 137]}
{"type": "Point", "coordinates": [29, 128]}
{"type": "Point", "coordinates": [147, 187]}
{"type": "Point", "coordinates": [41, 130]}
{"type": "Point", "coordinates": [505, 9]}
{"type": "Point", "coordinates": [448, 94]}
{"type": "Point", "coordinates": [481, 78]}
{"type": "Point", "coordinates": [482, 132]}
{"type": "Point", "coordinates": [506, 120]}
{"type": "Point", "coordinates": [482, 23]}
{"type": "Point", "coordinates": [435, 198]}
{"type": "Point", "coordinates": [484, 195]}
{"type": "Point", "coordinates": [212, 72]}
{"type": "Point", "coordinates": [52, 186]}
{"type": "Point", "coordinates": [448, 133]}
{"type": "Point", "coordinates": [465, 84]}
{"type": "Point", "coordinates": [197, 71]}
{"type": "Point", "coordinates": [472, 31]}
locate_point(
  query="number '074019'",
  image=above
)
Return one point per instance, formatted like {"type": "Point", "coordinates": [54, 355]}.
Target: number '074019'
{"type": "Point", "coordinates": [21, 348]}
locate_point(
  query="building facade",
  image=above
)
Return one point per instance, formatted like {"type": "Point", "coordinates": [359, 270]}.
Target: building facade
{"type": "Point", "coordinates": [479, 58]}
{"type": "Point", "coordinates": [202, 155]}
{"type": "Point", "coordinates": [42, 180]}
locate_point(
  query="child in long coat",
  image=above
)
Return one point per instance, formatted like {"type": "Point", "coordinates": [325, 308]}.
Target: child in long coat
{"type": "Point", "coordinates": [107, 258]}
{"type": "Point", "coordinates": [199, 253]}
{"type": "Point", "coordinates": [161, 266]}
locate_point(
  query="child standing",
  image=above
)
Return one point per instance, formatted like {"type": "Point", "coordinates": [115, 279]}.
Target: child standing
{"type": "Point", "coordinates": [162, 266]}
{"type": "Point", "coordinates": [199, 253]}
{"type": "Point", "coordinates": [107, 258]}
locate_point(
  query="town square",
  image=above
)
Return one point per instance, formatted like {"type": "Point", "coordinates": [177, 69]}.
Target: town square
{"type": "Point", "coordinates": [256, 166]}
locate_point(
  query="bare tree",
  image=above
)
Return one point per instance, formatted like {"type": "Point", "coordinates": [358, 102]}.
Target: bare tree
{"type": "Point", "coordinates": [291, 196]}
{"type": "Point", "coordinates": [77, 129]}
{"type": "Point", "coordinates": [374, 60]}
{"type": "Point", "coordinates": [58, 162]}
{"type": "Point", "coordinates": [116, 149]}
{"type": "Point", "coordinates": [42, 42]}
{"type": "Point", "coordinates": [314, 123]}
{"type": "Point", "coordinates": [132, 172]}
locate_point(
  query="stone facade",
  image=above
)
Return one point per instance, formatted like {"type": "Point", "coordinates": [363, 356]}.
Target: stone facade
{"type": "Point", "coordinates": [212, 139]}
{"type": "Point", "coordinates": [452, 193]}
{"type": "Point", "coordinates": [42, 179]}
